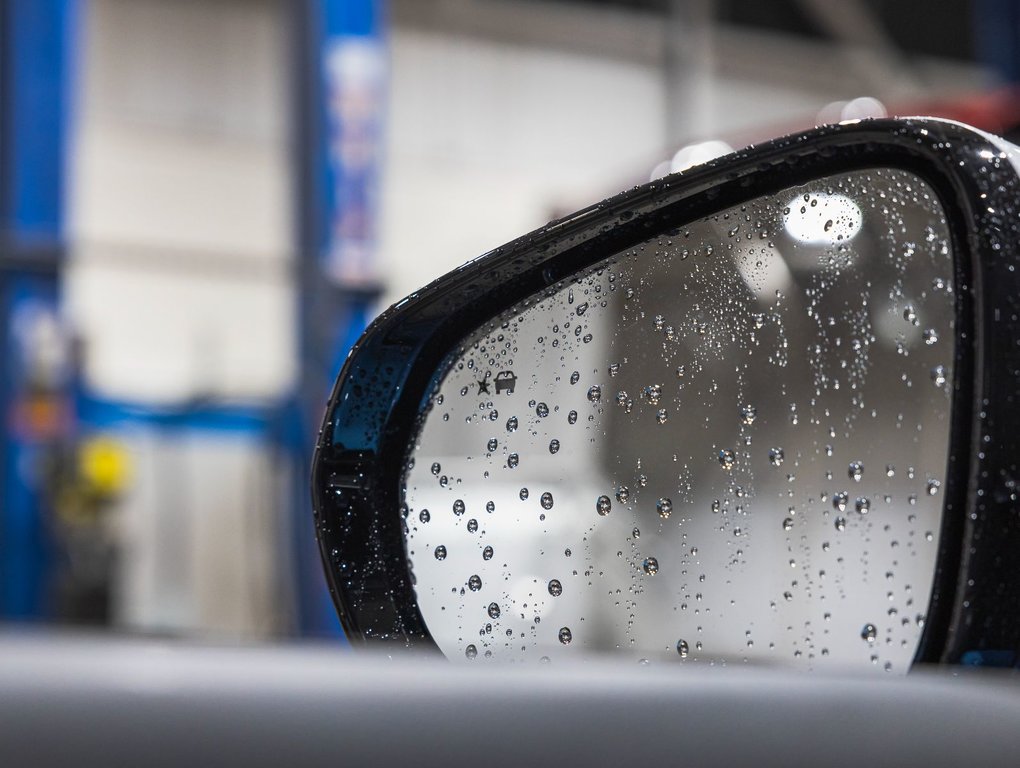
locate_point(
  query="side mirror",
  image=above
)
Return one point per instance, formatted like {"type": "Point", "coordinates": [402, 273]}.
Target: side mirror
{"type": "Point", "coordinates": [763, 410]}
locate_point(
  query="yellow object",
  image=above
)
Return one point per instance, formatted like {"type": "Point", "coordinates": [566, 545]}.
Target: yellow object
{"type": "Point", "coordinates": [104, 465]}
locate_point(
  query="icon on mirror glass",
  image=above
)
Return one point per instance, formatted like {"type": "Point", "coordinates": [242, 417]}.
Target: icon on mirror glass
{"type": "Point", "coordinates": [728, 447]}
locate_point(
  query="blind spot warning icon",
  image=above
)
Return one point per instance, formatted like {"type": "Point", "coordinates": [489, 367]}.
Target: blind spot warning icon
{"type": "Point", "coordinates": [505, 382]}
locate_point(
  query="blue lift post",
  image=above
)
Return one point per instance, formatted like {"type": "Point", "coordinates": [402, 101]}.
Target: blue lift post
{"type": "Point", "coordinates": [342, 92]}
{"type": "Point", "coordinates": [37, 42]}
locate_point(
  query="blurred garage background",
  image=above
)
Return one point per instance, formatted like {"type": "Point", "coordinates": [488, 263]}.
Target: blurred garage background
{"type": "Point", "coordinates": [202, 203]}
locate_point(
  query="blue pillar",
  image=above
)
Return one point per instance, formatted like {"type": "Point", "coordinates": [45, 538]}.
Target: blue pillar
{"type": "Point", "coordinates": [343, 103]}
{"type": "Point", "coordinates": [36, 53]}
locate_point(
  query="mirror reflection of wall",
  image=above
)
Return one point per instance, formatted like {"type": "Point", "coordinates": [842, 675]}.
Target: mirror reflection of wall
{"type": "Point", "coordinates": [757, 402]}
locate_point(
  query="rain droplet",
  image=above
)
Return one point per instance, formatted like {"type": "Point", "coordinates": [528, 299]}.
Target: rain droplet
{"type": "Point", "coordinates": [869, 632]}
{"type": "Point", "coordinates": [554, 446]}
{"type": "Point", "coordinates": [511, 424]}
{"type": "Point", "coordinates": [787, 523]}
{"type": "Point", "coordinates": [664, 507]}
{"type": "Point", "coordinates": [575, 377]}
{"type": "Point", "coordinates": [424, 516]}
{"type": "Point", "coordinates": [727, 459]}
{"type": "Point", "coordinates": [776, 456]}
{"type": "Point", "coordinates": [490, 506]}
{"type": "Point", "coordinates": [938, 375]}
{"type": "Point", "coordinates": [512, 460]}
{"type": "Point", "coordinates": [840, 523]}
{"type": "Point", "coordinates": [661, 416]}
{"type": "Point", "coordinates": [471, 652]}
{"type": "Point", "coordinates": [622, 494]}
{"type": "Point", "coordinates": [910, 315]}
{"type": "Point", "coordinates": [547, 500]}
{"type": "Point", "coordinates": [487, 553]}
{"type": "Point", "coordinates": [930, 336]}
{"type": "Point", "coordinates": [436, 469]}
{"type": "Point", "coordinates": [855, 471]}
{"type": "Point", "coordinates": [933, 487]}
{"type": "Point", "coordinates": [524, 494]}
{"type": "Point", "coordinates": [542, 410]}
{"type": "Point", "coordinates": [594, 393]}
{"type": "Point", "coordinates": [440, 552]}
{"type": "Point", "coordinates": [572, 417]}
{"type": "Point", "coordinates": [555, 588]}
{"type": "Point", "coordinates": [839, 501]}
{"type": "Point", "coordinates": [493, 611]}
{"type": "Point", "coordinates": [682, 648]}
{"type": "Point", "coordinates": [748, 413]}
{"type": "Point", "coordinates": [565, 635]}
{"type": "Point", "coordinates": [472, 525]}
{"type": "Point", "coordinates": [863, 505]}
{"type": "Point", "coordinates": [603, 505]}
{"type": "Point", "coordinates": [475, 583]}
{"type": "Point", "coordinates": [458, 507]}
{"type": "Point", "coordinates": [890, 470]}
{"type": "Point", "coordinates": [492, 445]}
{"type": "Point", "coordinates": [650, 566]}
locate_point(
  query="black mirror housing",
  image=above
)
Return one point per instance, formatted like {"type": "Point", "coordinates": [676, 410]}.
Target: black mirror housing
{"type": "Point", "coordinates": [385, 386]}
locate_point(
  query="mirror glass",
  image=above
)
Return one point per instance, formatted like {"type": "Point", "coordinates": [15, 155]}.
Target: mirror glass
{"type": "Point", "coordinates": [724, 445]}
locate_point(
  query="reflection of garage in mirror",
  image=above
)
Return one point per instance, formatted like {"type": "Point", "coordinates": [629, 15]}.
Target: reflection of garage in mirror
{"type": "Point", "coordinates": [724, 444]}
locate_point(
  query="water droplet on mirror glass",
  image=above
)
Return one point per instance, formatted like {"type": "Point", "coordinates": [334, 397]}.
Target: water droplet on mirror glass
{"type": "Point", "coordinates": [572, 417]}
{"type": "Point", "coordinates": [487, 553]}
{"type": "Point", "coordinates": [622, 494]}
{"type": "Point", "coordinates": [603, 505]}
{"type": "Point", "coordinates": [436, 469]}
{"type": "Point", "coordinates": [930, 336]}
{"type": "Point", "coordinates": [511, 424]}
{"type": "Point", "coordinates": [554, 446]}
{"type": "Point", "coordinates": [839, 500]}
{"type": "Point", "coordinates": [493, 611]}
{"type": "Point", "coordinates": [933, 487]}
{"type": "Point", "coordinates": [555, 588]}
{"type": "Point", "coordinates": [565, 635]}
{"type": "Point", "coordinates": [748, 413]}
{"type": "Point", "coordinates": [776, 456]}
{"type": "Point", "coordinates": [424, 516]}
{"type": "Point", "coordinates": [471, 652]}
{"type": "Point", "coordinates": [547, 500]}
{"type": "Point", "coordinates": [855, 471]}
{"type": "Point", "coordinates": [472, 525]}
{"type": "Point", "coordinates": [492, 445]}
{"type": "Point", "coordinates": [910, 315]}
{"type": "Point", "coordinates": [862, 505]}
{"type": "Point", "coordinates": [595, 393]}
{"type": "Point", "coordinates": [512, 460]}
{"type": "Point", "coordinates": [938, 375]}
{"type": "Point", "coordinates": [458, 507]}
{"type": "Point", "coordinates": [664, 507]}
{"type": "Point", "coordinates": [787, 523]}
{"type": "Point", "coordinates": [542, 410]}
{"type": "Point", "coordinates": [440, 552]}
{"type": "Point", "coordinates": [727, 459]}
{"type": "Point", "coordinates": [650, 566]}
{"type": "Point", "coordinates": [661, 416]}
{"type": "Point", "coordinates": [682, 648]}
{"type": "Point", "coordinates": [490, 506]}
{"type": "Point", "coordinates": [475, 583]}
{"type": "Point", "coordinates": [840, 523]}
{"type": "Point", "coordinates": [869, 632]}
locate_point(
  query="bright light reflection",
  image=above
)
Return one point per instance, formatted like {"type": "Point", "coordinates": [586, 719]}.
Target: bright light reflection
{"type": "Point", "coordinates": [823, 218]}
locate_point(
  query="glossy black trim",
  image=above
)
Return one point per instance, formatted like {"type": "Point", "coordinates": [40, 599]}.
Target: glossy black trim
{"type": "Point", "coordinates": [375, 407]}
